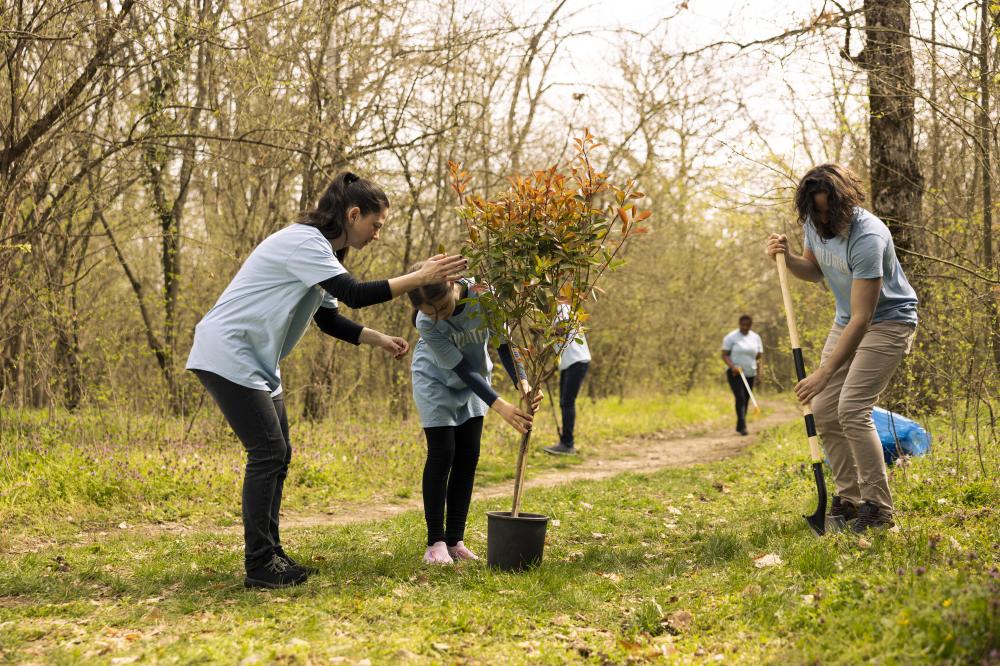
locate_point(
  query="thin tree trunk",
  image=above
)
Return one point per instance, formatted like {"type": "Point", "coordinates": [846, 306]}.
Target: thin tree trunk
{"type": "Point", "coordinates": [985, 149]}
{"type": "Point", "coordinates": [896, 181]}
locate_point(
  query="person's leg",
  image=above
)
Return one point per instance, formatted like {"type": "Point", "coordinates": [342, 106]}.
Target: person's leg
{"type": "Point", "coordinates": [739, 395]}
{"type": "Point", "coordinates": [251, 414]}
{"type": "Point", "coordinates": [878, 355]}
{"type": "Point", "coordinates": [460, 483]}
{"type": "Point", "coordinates": [279, 408]}
{"type": "Point", "coordinates": [838, 451]}
{"type": "Point", "coordinates": [570, 381]}
{"type": "Point", "coordinates": [437, 469]}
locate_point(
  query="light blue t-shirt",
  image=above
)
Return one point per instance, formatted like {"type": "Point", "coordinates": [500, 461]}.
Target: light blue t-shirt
{"type": "Point", "coordinates": [867, 252]}
{"type": "Point", "coordinates": [573, 351]}
{"type": "Point", "coordinates": [266, 308]}
{"type": "Point", "coordinates": [743, 350]}
{"type": "Point", "coordinates": [442, 398]}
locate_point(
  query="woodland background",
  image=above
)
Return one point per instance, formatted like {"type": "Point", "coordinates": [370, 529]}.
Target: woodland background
{"type": "Point", "coordinates": [147, 147]}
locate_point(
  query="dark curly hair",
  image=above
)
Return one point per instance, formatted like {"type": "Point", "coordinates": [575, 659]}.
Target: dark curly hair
{"type": "Point", "coordinates": [844, 193]}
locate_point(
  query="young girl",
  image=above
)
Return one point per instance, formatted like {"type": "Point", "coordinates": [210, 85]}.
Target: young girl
{"type": "Point", "coordinates": [451, 386]}
{"type": "Point", "coordinates": [295, 275]}
{"type": "Point", "coordinates": [874, 327]}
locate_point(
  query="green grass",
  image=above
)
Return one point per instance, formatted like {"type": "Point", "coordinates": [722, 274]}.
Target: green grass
{"type": "Point", "coordinates": [652, 567]}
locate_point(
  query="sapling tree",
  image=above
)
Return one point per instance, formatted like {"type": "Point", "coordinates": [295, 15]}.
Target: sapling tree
{"type": "Point", "coordinates": [551, 236]}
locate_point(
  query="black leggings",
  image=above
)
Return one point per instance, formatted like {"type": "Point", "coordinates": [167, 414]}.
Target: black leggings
{"type": "Point", "coordinates": [261, 424]}
{"type": "Point", "coordinates": [570, 381]}
{"type": "Point", "coordinates": [742, 398]}
{"type": "Point", "coordinates": [450, 471]}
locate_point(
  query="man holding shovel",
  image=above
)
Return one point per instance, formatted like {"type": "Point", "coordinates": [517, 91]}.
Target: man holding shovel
{"type": "Point", "coordinates": [742, 349]}
{"type": "Point", "coordinates": [876, 317]}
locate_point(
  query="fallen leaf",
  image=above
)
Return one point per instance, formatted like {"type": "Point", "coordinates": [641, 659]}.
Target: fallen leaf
{"type": "Point", "coordinates": [613, 577]}
{"type": "Point", "coordinates": [680, 620]}
{"type": "Point", "coordinates": [440, 647]}
{"type": "Point", "coordinates": [808, 599]}
{"type": "Point", "coordinates": [597, 535]}
{"type": "Point", "coordinates": [674, 510]}
{"type": "Point", "coordinates": [864, 543]}
{"type": "Point", "coordinates": [769, 560]}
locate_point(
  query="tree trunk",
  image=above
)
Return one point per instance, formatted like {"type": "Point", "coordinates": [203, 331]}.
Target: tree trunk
{"type": "Point", "coordinates": [896, 181]}
{"type": "Point", "coordinates": [985, 143]}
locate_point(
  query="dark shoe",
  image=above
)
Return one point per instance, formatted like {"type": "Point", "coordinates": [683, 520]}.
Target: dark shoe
{"type": "Point", "coordinates": [842, 509]}
{"type": "Point", "coordinates": [275, 574]}
{"type": "Point", "coordinates": [292, 563]}
{"type": "Point", "coordinates": [744, 432]}
{"type": "Point", "coordinates": [871, 516]}
{"type": "Point", "coordinates": [560, 449]}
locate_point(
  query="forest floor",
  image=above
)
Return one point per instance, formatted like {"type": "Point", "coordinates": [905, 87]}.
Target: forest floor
{"type": "Point", "coordinates": [686, 547]}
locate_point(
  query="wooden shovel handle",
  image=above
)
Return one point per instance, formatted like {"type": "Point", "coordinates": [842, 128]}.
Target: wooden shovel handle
{"type": "Point", "coordinates": [786, 296]}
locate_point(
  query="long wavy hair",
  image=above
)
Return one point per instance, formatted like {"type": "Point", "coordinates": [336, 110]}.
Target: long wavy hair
{"type": "Point", "coordinates": [844, 193]}
{"type": "Point", "coordinates": [345, 191]}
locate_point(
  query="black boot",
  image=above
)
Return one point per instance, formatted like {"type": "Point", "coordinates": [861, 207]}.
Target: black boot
{"type": "Point", "coordinates": [843, 509]}
{"type": "Point", "coordinates": [275, 574]}
{"type": "Point", "coordinates": [279, 551]}
{"type": "Point", "coordinates": [871, 516]}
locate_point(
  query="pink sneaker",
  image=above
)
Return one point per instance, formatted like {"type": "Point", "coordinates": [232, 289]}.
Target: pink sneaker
{"type": "Point", "coordinates": [437, 554]}
{"type": "Point", "coordinates": [460, 552]}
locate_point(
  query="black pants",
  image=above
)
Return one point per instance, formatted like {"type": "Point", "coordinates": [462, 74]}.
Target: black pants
{"type": "Point", "coordinates": [570, 381]}
{"type": "Point", "coordinates": [449, 473]}
{"type": "Point", "coordinates": [742, 398]}
{"type": "Point", "coordinates": [261, 424]}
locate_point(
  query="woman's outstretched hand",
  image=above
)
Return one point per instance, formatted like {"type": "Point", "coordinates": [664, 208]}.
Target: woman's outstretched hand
{"type": "Point", "coordinates": [393, 344]}
{"type": "Point", "coordinates": [441, 267]}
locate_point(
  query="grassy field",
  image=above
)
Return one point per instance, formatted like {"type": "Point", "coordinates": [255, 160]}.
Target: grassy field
{"type": "Point", "coordinates": [658, 567]}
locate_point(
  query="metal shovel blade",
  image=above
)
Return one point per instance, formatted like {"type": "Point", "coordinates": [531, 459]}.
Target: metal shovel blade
{"type": "Point", "coordinates": [817, 521]}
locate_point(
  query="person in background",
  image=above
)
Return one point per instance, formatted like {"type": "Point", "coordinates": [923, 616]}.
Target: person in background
{"type": "Point", "coordinates": [742, 349]}
{"type": "Point", "coordinates": [574, 362]}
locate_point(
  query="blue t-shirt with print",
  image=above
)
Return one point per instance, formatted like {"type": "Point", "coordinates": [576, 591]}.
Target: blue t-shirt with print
{"type": "Point", "coordinates": [442, 398]}
{"type": "Point", "coordinates": [266, 308]}
{"type": "Point", "coordinates": [867, 252]}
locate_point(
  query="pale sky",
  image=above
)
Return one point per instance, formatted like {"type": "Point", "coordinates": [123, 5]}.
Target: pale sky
{"type": "Point", "coordinates": [767, 84]}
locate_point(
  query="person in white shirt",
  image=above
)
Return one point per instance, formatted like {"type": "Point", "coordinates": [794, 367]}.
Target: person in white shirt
{"type": "Point", "coordinates": [574, 361]}
{"type": "Point", "coordinates": [742, 349]}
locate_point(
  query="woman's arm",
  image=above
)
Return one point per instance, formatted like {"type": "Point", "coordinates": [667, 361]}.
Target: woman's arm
{"type": "Point", "coordinates": [729, 362]}
{"type": "Point", "coordinates": [334, 324]}
{"type": "Point", "coordinates": [355, 294]}
{"type": "Point", "coordinates": [864, 298]}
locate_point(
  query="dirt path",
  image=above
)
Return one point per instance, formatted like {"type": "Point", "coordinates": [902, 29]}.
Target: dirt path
{"type": "Point", "coordinates": [641, 455]}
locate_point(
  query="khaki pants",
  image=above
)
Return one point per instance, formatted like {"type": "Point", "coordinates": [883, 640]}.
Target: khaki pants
{"type": "Point", "coordinates": [843, 411]}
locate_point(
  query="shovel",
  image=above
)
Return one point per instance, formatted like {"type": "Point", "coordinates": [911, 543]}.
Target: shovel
{"type": "Point", "coordinates": [756, 407]}
{"type": "Point", "coordinates": [817, 521]}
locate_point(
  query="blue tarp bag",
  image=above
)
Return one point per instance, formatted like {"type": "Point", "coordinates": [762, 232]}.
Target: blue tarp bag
{"type": "Point", "coordinates": [892, 428]}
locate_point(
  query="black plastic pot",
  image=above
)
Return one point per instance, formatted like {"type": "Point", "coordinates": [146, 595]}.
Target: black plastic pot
{"type": "Point", "coordinates": [514, 544]}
